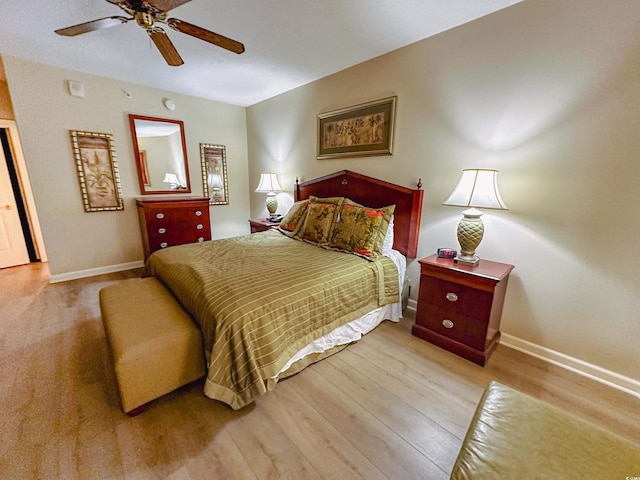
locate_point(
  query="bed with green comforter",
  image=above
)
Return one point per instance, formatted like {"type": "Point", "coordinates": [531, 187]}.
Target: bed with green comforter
{"type": "Point", "coordinates": [260, 298]}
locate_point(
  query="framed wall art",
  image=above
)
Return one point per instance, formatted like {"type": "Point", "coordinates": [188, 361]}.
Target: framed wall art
{"type": "Point", "coordinates": [98, 173]}
{"type": "Point", "coordinates": [213, 159]}
{"type": "Point", "coordinates": [361, 130]}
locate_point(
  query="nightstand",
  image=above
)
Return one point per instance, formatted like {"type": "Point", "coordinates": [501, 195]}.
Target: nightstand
{"type": "Point", "coordinates": [459, 306]}
{"type": "Point", "coordinates": [261, 224]}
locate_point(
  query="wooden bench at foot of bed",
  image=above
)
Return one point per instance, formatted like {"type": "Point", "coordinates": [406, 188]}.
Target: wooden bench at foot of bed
{"type": "Point", "coordinates": [155, 346]}
{"type": "Point", "coordinates": [513, 435]}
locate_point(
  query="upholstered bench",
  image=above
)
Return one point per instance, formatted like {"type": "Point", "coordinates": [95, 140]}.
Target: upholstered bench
{"type": "Point", "coordinates": [155, 346]}
{"type": "Point", "coordinates": [513, 435]}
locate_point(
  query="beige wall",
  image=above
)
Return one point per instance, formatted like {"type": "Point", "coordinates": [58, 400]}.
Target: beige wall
{"type": "Point", "coordinates": [45, 112]}
{"type": "Point", "coordinates": [548, 93]}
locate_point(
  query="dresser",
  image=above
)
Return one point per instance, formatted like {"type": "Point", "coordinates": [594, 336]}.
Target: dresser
{"type": "Point", "coordinates": [460, 306]}
{"type": "Point", "coordinates": [175, 221]}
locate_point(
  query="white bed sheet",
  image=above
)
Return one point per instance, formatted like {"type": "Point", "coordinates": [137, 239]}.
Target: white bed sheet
{"type": "Point", "coordinates": [353, 331]}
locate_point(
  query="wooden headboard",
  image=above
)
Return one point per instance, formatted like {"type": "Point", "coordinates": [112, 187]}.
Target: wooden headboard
{"type": "Point", "coordinates": [374, 193]}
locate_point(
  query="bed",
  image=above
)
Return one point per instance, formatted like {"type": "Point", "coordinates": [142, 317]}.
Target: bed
{"type": "Point", "coordinates": [271, 303]}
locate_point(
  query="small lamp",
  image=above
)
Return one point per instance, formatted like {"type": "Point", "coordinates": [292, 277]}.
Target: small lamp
{"type": "Point", "coordinates": [269, 185]}
{"type": "Point", "coordinates": [172, 180]}
{"type": "Point", "coordinates": [477, 188]}
{"type": "Point", "coordinates": [215, 185]}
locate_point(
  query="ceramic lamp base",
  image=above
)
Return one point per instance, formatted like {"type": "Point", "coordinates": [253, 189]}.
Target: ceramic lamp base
{"type": "Point", "coordinates": [272, 204]}
{"type": "Point", "coordinates": [470, 233]}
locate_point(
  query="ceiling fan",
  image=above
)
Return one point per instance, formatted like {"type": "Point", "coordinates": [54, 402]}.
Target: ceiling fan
{"type": "Point", "coordinates": [147, 13]}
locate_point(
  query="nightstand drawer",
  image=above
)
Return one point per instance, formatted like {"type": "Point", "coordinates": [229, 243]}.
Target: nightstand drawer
{"type": "Point", "coordinates": [471, 331]}
{"type": "Point", "coordinates": [453, 298]}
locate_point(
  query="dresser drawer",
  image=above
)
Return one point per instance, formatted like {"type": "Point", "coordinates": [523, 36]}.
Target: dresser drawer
{"type": "Point", "coordinates": [170, 239]}
{"type": "Point", "coordinates": [174, 218]}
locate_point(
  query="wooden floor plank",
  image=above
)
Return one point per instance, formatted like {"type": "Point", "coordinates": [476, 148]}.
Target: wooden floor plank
{"type": "Point", "coordinates": [330, 453]}
{"type": "Point", "coordinates": [333, 399]}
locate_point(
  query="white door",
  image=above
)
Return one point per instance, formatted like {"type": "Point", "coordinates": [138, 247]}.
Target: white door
{"type": "Point", "coordinates": [13, 248]}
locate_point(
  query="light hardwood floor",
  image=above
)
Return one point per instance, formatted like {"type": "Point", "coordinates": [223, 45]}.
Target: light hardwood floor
{"type": "Point", "coordinates": [389, 406]}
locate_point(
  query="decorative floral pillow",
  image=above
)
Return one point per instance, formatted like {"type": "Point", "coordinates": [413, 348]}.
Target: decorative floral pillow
{"type": "Point", "coordinates": [361, 230]}
{"type": "Point", "coordinates": [293, 220]}
{"type": "Point", "coordinates": [320, 219]}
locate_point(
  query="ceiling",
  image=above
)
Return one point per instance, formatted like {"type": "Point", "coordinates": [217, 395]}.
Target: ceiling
{"type": "Point", "coordinates": [288, 42]}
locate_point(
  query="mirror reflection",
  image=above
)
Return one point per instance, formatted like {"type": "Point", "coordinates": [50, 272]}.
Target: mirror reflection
{"type": "Point", "coordinates": [160, 148]}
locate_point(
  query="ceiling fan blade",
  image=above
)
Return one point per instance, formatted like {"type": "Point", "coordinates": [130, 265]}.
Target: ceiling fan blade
{"type": "Point", "coordinates": [91, 26]}
{"type": "Point", "coordinates": [206, 35]}
{"type": "Point", "coordinates": [166, 5]}
{"type": "Point", "coordinates": [165, 46]}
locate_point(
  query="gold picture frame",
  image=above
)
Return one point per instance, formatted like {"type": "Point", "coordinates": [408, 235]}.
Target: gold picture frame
{"type": "Point", "coordinates": [98, 173]}
{"type": "Point", "coordinates": [213, 160]}
{"type": "Point", "coordinates": [361, 130]}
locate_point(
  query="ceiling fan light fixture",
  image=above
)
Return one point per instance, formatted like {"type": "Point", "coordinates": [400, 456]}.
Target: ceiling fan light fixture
{"type": "Point", "coordinates": [144, 19]}
{"type": "Point", "coordinates": [148, 12]}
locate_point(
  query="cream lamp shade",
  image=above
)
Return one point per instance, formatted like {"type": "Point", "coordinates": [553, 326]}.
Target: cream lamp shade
{"type": "Point", "coordinates": [477, 188]}
{"type": "Point", "coordinates": [172, 180]}
{"type": "Point", "coordinates": [269, 185]}
{"type": "Point", "coordinates": [215, 185]}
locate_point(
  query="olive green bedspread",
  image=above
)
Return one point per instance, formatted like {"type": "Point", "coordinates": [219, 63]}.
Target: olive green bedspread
{"type": "Point", "coordinates": [260, 298]}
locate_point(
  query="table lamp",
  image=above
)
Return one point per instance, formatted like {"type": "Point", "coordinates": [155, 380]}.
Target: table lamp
{"type": "Point", "coordinates": [269, 185]}
{"type": "Point", "coordinates": [172, 180]}
{"type": "Point", "coordinates": [214, 181]}
{"type": "Point", "coordinates": [478, 187]}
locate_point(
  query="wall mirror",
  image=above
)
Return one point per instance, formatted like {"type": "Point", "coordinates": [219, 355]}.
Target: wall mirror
{"type": "Point", "coordinates": [213, 161]}
{"type": "Point", "coordinates": [160, 149]}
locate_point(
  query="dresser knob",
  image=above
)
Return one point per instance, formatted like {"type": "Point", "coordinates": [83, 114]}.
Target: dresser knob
{"type": "Point", "coordinates": [446, 323]}
{"type": "Point", "coordinates": [164, 245]}
{"type": "Point", "coordinates": [160, 215]}
{"type": "Point", "coordinates": [162, 230]}
{"type": "Point", "coordinates": [199, 226]}
{"type": "Point", "coordinates": [201, 239]}
{"type": "Point", "coordinates": [452, 297]}
{"type": "Point", "coordinates": [198, 213]}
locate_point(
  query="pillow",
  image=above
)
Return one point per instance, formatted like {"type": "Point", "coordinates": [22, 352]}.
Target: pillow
{"type": "Point", "coordinates": [387, 244]}
{"type": "Point", "coordinates": [293, 220]}
{"type": "Point", "coordinates": [320, 219]}
{"type": "Point", "coordinates": [361, 229]}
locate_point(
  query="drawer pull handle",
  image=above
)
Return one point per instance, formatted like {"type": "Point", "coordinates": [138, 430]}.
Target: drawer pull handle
{"type": "Point", "coordinates": [199, 226]}
{"type": "Point", "coordinates": [446, 323]}
{"type": "Point", "coordinates": [162, 230]}
{"type": "Point", "coordinates": [164, 245]}
{"type": "Point", "coordinates": [160, 216]}
{"type": "Point", "coordinates": [452, 297]}
{"type": "Point", "coordinates": [201, 239]}
{"type": "Point", "coordinates": [198, 213]}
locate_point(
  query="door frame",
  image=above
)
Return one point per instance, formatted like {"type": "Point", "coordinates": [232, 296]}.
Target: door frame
{"type": "Point", "coordinates": [25, 186]}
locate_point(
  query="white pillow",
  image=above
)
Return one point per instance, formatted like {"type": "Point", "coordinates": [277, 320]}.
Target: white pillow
{"type": "Point", "coordinates": [387, 244]}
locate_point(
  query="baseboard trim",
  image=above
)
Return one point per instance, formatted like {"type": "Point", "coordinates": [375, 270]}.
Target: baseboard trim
{"type": "Point", "coordinates": [92, 272]}
{"type": "Point", "coordinates": [594, 372]}
{"type": "Point", "coordinates": [412, 305]}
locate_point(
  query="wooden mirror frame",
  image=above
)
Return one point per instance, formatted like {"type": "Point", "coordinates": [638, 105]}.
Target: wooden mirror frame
{"type": "Point", "coordinates": [142, 161]}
